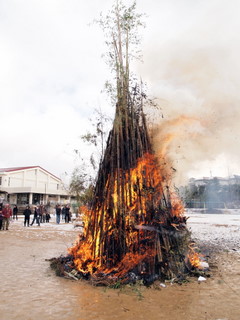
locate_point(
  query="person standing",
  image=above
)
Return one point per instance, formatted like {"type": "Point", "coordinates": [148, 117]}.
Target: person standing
{"type": "Point", "coordinates": [1, 216]}
{"type": "Point", "coordinates": [63, 212]}
{"type": "Point", "coordinates": [40, 208]}
{"type": "Point", "coordinates": [15, 212]}
{"type": "Point", "coordinates": [36, 216]}
{"type": "Point", "coordinates": [58, 214]}
{"type": "Point", "coordinates": [43, 214]}
{"type": "Point", "coordinates": [67, 214]}
{"type": "Point", "coordinates": [48, 217]}
{"type": "Point", "coordinates": [27, 212]}
{"type": "Point", "coordinates": [7, 213]}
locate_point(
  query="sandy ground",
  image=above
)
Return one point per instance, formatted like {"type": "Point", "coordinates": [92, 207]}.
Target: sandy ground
{"type": "Point", "coordinates": [31, 291]}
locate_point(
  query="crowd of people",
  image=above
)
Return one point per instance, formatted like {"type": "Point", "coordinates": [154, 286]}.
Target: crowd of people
{"type": "Point", "coordinates": [63, 212]}
{"type": "Point", "coordinates": [39, 213]}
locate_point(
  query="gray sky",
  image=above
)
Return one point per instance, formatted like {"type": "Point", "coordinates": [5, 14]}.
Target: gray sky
{"type": "Point", "coordinates": [52, 75]}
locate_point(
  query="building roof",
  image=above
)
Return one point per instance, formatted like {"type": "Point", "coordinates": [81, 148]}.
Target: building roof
{"type": "Point", "coordinates": [2, 170]}
{"type": "Point", "coordinates": [16, 168]}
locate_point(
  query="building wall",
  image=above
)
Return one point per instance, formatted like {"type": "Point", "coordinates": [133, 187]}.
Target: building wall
{"type": "Point", "coordinates": [15, 179]}
{"type": "Point", "coordinates": [33, 180]}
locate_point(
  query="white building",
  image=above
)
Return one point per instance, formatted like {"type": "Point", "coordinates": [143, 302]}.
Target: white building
{"type": "Point", "coordinates": [235, 179]}
{"type": "Point", "coordinates": [31, 185]}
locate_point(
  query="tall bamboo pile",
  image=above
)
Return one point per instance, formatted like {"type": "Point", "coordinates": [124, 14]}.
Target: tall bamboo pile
{"type": "Point", "coordinates": [133, 225]}
{"type": "Point", "coordinates": [132, 216]}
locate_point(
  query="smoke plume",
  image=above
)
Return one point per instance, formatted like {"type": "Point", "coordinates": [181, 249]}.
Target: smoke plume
{"type": "Point", "coordinates": [196, 80]}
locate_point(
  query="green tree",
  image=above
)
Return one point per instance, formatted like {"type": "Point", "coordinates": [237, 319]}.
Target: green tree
{"type": "Point", "coordinates": [120, 28]}
{"type": "Point", "coordinates": [81, 185]}
{"type": "Point", "coordinates": [97, 137]}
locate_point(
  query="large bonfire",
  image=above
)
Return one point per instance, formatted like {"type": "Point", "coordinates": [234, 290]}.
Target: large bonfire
{"type": "Point", "coordinates": [135, 227]}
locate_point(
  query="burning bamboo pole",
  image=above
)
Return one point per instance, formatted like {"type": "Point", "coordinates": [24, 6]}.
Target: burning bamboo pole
{"type": "Point", "coordinates": [130, 207]}
{"type": "Point", "coordinates": [132, 226]}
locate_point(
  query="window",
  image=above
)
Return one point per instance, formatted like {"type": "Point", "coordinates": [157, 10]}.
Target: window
{"type": "Point", "coordinates": [57, 186]}
{"type": "Point", "coordinates": [9, 180]}
{"type": "Point", "coordinates": [23, 198]}
{"type": "Point", "coordinates": [37, 198]}
{"type": "Point", "coordinates": [0, 181]}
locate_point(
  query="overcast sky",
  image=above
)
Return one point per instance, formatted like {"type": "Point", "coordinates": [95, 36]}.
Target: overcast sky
{"type": "Point", "coordinates": [52, 74]}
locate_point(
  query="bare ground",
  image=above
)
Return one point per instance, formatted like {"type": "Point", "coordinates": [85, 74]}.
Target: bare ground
{"type": "Point", "coordinates": [31, 291]}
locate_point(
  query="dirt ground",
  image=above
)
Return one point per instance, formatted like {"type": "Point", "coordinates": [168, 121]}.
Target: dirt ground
{"type": "Point", "coordinates": [31, 291]}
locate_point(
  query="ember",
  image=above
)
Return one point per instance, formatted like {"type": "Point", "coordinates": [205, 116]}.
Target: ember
{"type": "Point", "coordinates": [135, 227]}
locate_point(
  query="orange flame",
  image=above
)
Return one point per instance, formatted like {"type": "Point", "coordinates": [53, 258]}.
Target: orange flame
{"type": "Point", "coordinates": [194, 259]}
{"type": "Point", "coordinates": [144, 184]}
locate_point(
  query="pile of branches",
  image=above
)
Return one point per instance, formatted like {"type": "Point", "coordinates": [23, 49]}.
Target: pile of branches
{"type": "Point", "coordinates": [133, 228]}
{"type": "Point", "coordinates": [64, 267]}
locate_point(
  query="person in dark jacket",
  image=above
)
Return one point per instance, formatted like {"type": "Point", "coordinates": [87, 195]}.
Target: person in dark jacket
{"type": "Point", "coordinates": [67, 214]}
{"type": "Point", "coordinates": [15, 212]}
{"type": "Point", "coordinates": [58, 213]}
{"type": "Point", "coordinates": [40, 208]}
{"type": "Point", "coordinates": [27, 212]}
{"type": "Point", "coordinates": [63, 212]}
{"type": "Point", "coordinates": [36, 216]}
{"type": "Point", "coordinates": [48, 217]}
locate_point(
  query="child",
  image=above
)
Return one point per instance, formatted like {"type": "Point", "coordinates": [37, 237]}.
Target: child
{"type": "Point", "coordinates": [48, 217]}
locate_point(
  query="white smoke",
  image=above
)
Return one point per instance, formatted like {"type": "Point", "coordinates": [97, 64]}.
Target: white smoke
{"type": "Point", "coordinates": [195, 76]}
